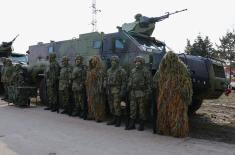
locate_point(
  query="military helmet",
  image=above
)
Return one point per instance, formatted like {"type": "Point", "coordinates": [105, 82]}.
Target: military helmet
{"type": "Point", "coordinates": [137, 16]}
{"type": "Point", "coordinates": [53, 55]}
{"type": "Point", "coordinates": [139, 59]}
{"type": "Point", "coordinates": [79, 57]}
{"type": "Point", "coordinates": [115, 58]}
{"type": "Point", "coordinates": [65, 58]}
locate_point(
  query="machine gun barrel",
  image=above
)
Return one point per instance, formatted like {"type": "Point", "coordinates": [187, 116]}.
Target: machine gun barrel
{"type": "Point", "coordinates": [158, 19]}
{"type": "Point", "coordinates": [15, 38]}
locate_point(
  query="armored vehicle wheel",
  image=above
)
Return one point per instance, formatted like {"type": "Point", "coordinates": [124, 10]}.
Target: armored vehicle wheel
{"type": "Point", "coordinates": [196, 104]}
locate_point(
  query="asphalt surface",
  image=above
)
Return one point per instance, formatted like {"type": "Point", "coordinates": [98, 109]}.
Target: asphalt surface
{"type": "Point", "coordinates": [34, 131]}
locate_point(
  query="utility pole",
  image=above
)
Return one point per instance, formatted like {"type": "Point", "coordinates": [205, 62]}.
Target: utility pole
{"type": "Point", "coordinates": [94, 16]}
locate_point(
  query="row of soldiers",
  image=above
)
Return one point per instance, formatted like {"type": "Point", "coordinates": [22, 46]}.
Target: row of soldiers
{"type": "Point", "coordinates": [90, 88]}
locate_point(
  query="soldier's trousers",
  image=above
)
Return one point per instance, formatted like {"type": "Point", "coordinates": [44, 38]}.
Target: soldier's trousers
{"type": "Point", "coordinates": [5, 90]}
{"type": "Point", "coordinates": [79, 98]}
{"type": "Point", "coordinates": [64, 98]}
{"type": "Point", "coordinates": [52, 96]}
{"type": "Point", "coordinates": [115, 104]}
{"type": "Point", "coordinates": [138, 108]}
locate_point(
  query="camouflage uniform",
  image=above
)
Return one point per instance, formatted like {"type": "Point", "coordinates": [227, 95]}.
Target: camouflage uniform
{"type": "Point", "coordinates": [52, 77]}
{"type": "Point", "coordinates": [139, 86]}
{"type": "Point", "coordinates": [95, 90]}
{"type": "Point", "coordinates": [115, 85]}
{"type": "Point", "coordinates": [65, 85]}
{"type": "Point", "coordinates": [78, 88]}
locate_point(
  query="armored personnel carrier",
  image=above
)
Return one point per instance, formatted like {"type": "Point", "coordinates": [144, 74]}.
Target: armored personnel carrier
{"type": "Point", "coordinates": [134, 39]}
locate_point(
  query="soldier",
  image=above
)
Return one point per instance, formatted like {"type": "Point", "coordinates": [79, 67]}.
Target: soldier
{"type": "Point", "coordinates": [52, 79]}
{"type": "Point", "coordinates": [9, 71]}
{"type": "Point", "coordinates": [139, 86]}
{"type": "Point", "coordinates": [3, 77]}
{"type": "Point", "coordinates": [115, 85]}
{"type": "Point", "coordinates": [78, 88]}
{"type": "Point", "coordinates": [65, 86]}
{"type": "Point", "coordinates": [95, 88]}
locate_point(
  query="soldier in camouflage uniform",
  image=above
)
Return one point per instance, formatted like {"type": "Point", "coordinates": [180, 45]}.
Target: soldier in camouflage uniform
{"type": "Point", "coordinates": [139, 86]}
{"type": "Point", "coordinates": [115, 85]}
{"type": "Point", "coordinates": [78, 88]}
{"type": "Point", "coordinates": [52, 79]}
{"type": "Point", "coordinates": [65, 86]}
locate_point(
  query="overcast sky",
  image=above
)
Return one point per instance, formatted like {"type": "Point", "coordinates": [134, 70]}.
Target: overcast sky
{"type": "Point", "coordinates": [45, 20]}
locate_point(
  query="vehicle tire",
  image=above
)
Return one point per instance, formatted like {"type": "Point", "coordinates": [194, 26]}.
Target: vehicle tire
{"type": "Point", "coordinates": [195, 105]}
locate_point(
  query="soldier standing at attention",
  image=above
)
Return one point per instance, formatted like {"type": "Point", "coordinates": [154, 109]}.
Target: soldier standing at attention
{"type": "Point", "coordinates": [52, 79]}
{"type": "Point", "coordinates": [95, 90]}
{"type": "Point", "coordinates": [9, 71]}
{"type": "Point", "coordinates": [139, 86]}
{"type": "Point", "coordinates": [3, 77]}
{"type": "Point", "coordinates": [65, 86]}
{"type": "Point", "coordinates": [78, 88]}
{"type": "Point", "coordinates": [115, 85]}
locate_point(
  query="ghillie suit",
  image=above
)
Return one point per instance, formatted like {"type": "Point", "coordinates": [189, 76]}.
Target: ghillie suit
{"type": "Point", "coordinates": [65, 86]}
{"type": "Point", "coordinates": [78, 88]}
{"type": "Point", "coordinates": [95, 90]}
{"type": "Point", "coordinates": [3, 77]}
{"type": "Point", "coordinates": [175, 95]}
{"type": "Point", "coordinates": [8, 76]}
{"type": "Point", "coordinates": [115, 86]}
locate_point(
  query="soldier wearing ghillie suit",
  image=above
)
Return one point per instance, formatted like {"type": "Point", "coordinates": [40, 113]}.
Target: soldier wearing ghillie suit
{"type": "Point", "coordinates": [18, 78]}
{"type": "Point", "coordinates": [175, 95]}
{"type": "Point", "coordinates": [65, 86]}
{"type": "Point", "coordinates": [139, 87]}
{"type": "Point", "coordinates": [115, 86]}
{"type": "Point", "coordinates": [18, 81]}
{"type": "Point", "coordinates": [3, 77]}
{"type": "Point", "coordinates": [78, 88]}
{"type": "Point", "coordinates": [95, 90]}
{"type": "Point", "coordinates": [8, 75]}
{"type": "Point", "coordinates": [52, 81]}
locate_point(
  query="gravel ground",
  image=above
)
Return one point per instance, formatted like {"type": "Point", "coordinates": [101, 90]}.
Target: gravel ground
{"type": "Point", "coordinates": [34, 131]}
{"type": "Point", "coordinates": [215, 120]}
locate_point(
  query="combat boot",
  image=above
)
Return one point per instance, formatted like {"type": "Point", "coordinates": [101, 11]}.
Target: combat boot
{"type": "Point", "coordinates": [141, 125]}
{"type": "Point", "coordinates": [75, 113]}
{"type": "Point", "coordinates": [131, 125]}
{"type": "Point", "coordinates": [112, 121]}
{"type": "Point", "coordinates": [118, 121]}
{"type": "Point", "coordinates": [47, 108]}
{"type": "Point", "coordinates": [64, 111]}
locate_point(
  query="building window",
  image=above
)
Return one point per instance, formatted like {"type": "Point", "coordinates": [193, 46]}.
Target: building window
{"type": "Point", "coordinates": [50, 49]}
{"type": "Point", "coordinates": [97, 44]}
{"type": "Point", "coordinates": [119, 44]}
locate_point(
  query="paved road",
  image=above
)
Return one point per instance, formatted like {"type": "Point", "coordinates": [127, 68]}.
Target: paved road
{"type": "Point", "coordinates": [34, 131]}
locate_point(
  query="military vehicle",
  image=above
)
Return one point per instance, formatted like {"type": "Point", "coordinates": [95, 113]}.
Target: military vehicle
{"type": "Point", "coordinates": [134, 39]}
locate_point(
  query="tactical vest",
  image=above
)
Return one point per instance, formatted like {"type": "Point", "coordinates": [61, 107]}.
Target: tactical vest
{"type": "Point", "coordinates": [138, 79]}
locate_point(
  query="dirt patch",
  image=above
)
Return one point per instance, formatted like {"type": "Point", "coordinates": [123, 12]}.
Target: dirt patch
{"type": "Point", "coordinates": [215, 120]}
